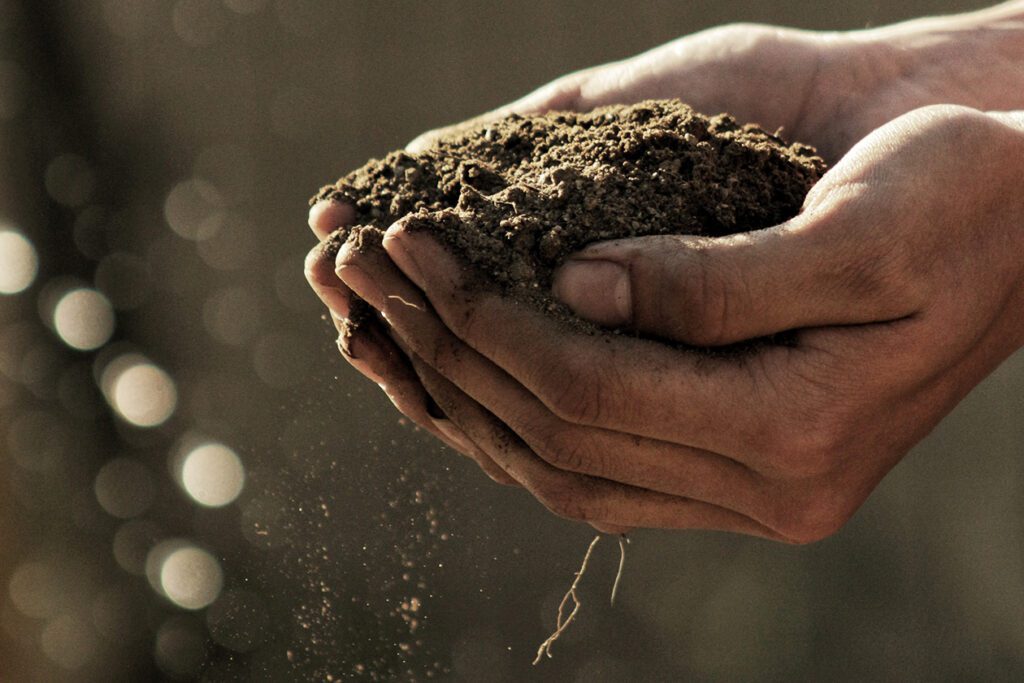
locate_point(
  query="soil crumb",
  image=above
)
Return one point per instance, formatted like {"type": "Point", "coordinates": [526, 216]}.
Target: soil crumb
{"type": "Point", "coordinates": [515, 197]}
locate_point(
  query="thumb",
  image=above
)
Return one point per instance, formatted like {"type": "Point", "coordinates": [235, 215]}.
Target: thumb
{"type": "Point", "coordinates": [716, 291]}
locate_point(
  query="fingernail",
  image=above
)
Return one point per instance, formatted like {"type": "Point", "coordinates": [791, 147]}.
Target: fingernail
{"type": "Point", "coordinates": [403, 257]}
{"type": "Point", "coordinates": [363, 367]}
{"type": "Point", "coordinates": [596, 290]}
{"type": "Point", "coordinates": [362, 284]}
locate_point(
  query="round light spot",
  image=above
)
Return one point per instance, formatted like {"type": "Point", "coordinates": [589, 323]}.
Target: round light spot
{"type": "Point", "coordinates": [18, 262]}
{"type": "Point", "coordinates": [195, 209]}
{"type": "Point", "coordinates": [84, 319]}
{"type": "Point", "coordinates": [125, 488]}
{"type": "Point", "coordinates": [191, 577]}
{"type": "Point", "coordinates": [69, 642]}
{"type": "Point", "coordinates": [213, 475]}
{"type": "Point", "coordinates": [232, 247]}
{"type": "Point", "coordinates": [35, 589]}
{"type": "Point", "coordinates": [140, 392]}
{"type": "Point", "coordinates": [70, 180]}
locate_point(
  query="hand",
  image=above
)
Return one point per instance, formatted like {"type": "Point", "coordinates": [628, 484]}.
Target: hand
{"type": "Point", "coordinates": [902, 276]}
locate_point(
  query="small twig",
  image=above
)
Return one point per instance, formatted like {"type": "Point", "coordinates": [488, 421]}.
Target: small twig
{"type": "Point", "coordinates": [560, 625]}
{"type": "Point", "coordinates": [622, 563]}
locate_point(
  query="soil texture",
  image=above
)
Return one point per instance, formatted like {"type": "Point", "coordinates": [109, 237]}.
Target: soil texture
{"type": "Point", "coordinates": [515, 197]}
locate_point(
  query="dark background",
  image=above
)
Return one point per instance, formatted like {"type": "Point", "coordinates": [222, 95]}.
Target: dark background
{"type": "Point", "coordinates": [348, 514]}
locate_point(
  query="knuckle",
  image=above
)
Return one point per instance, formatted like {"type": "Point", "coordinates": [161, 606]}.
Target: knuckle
{"type": "Point", "coordinates": [818, 516]}
{"type": "Point", "coordinates": [807, 449]}
{"type": "Point", "coordinates": [566, 502]}
{"type": "Point", "coordinates": [706, 297]}
{"type": "Point", "coordinates": [574, 395]}
{"type": "Point", "coordinates": [567, 451]}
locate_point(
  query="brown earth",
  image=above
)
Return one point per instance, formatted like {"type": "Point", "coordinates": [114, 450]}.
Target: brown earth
{"type": "Point", "coordinates": [515, 197]}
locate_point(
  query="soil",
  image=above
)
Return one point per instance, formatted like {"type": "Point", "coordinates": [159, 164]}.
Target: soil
{"type": "Point", "coordinates": [515, 197]}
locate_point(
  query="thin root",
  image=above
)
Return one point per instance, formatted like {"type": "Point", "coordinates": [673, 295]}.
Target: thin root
{"type": "Point", "coordinates": [622, 563]}
{"type": "Point", "coordinates": [562, 622]}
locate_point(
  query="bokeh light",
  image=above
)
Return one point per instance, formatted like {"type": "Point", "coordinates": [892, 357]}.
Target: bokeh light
{"type": "Point", "coordinates": [125, 488]}
{"type": "Point", "coordinates": [212, 474]}
{"type": "Point", "coordinates": [18, 262]}
{"type": "Point", "coordinates": [84, 319]}
{"type": "Point", "coordinates": [141, 393]}
{"type": "Point", "coordinates": [69, 642]}
{"type": "Point", "coordinates": [190, 577]}
{"type": "Point", "coordinates": [35, 589]}
{"type": "Point", "coordinates": [194, 209]}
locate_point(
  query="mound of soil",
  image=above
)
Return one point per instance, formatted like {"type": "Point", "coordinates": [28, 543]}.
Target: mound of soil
{"type": "Point", "coordinates": [515, 197]}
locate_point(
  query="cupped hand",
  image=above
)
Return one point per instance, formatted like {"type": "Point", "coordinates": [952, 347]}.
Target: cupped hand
{"type": "Point", "coordinates": [760, 73]}
{"type": "Point", "coordinates": [901, 278]}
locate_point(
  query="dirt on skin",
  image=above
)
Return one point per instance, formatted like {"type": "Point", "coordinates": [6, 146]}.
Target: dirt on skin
{"type": "Point", "coordinates": [515, 197]}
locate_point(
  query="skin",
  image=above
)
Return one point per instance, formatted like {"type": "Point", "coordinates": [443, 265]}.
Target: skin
{"type": "Point", "coordinates": [901, 277]}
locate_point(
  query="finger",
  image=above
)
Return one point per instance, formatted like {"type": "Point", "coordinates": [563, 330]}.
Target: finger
{"type": "Point", "coordinates": [813, 271]}
{"type": "Point", "coordinates": [642, 462]}
{"type": "Point", "coordinates": [604, 504]}
{"type": "Point", "coordinates": [320, 274]}
{"type": "Point", "coordinates": [566, 493]}
{"type": "Point", "coordinates": [328, 215]}
{"type": "Point", "coordinates": [392, 367]}
{"type": "Point", "coordinates": [370, 351]}
{"type": "Point", "coordinates": [454, 405]}
{"type": "Point", "coordinates": [722, 404]}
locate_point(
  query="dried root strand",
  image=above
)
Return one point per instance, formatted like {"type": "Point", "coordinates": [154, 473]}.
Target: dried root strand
{"type": "Point", "coordinates": [562, 622]}
{"type": "Point", "coordinates": [622, 564]}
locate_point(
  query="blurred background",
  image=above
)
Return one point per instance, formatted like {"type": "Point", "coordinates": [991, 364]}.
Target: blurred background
{"type": "Point", "coordinates": [194, 486]}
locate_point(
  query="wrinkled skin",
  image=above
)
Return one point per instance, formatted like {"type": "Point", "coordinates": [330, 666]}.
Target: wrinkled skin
{"type": "Point", "coordinates": [901, 276]}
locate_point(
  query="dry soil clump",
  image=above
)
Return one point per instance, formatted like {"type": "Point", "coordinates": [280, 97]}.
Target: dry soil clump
{"type": "Point", "coordinates": [515, 197]}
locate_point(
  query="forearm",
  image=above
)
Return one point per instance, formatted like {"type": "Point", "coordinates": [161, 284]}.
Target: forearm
{"type": "Point", "coordinates": [974, 59]}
